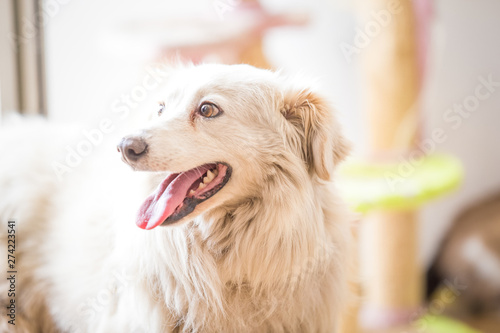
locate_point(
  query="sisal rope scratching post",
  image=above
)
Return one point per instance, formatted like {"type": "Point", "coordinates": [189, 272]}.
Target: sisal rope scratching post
{"type": "Point", "coordinates": [390, 272]}
{"type": "Point", "coordinates": [348, 322]}
{"type": "Point", "coordinates": [390, 269]}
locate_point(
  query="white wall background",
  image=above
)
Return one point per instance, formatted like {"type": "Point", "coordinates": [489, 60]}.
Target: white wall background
{"type": "Point", "coordinates": [88, 67]}
{"type": "Point", "coordinates": [470, 47]}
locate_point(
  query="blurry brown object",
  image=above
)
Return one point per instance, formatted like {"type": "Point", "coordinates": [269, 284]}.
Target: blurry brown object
{"type": "Point", "coordinates": [470, 256]}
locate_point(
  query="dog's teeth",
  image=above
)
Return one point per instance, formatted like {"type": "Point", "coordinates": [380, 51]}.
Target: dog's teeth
{"type": "Point", "coordinates": [192, 192]}
{"type": "Point", "coordinates": [210, 176]}
{"type": "Point", "coordinates": [205, 180]}
{"type": "Point", "coordinates": [216, 173]}
{"type": "Point", "coordinates": [202, 185]}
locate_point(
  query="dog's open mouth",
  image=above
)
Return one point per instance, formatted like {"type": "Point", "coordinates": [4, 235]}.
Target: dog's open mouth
{"type": "Point", "coordinates": [180, 193]}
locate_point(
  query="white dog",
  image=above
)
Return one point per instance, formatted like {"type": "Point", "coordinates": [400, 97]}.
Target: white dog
{"type": "Point", "coordinates": [243, 233]}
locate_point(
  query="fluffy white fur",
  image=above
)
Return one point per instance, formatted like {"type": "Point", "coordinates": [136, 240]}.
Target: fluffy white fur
{"type": "Point", "coordinates": [268, 253]}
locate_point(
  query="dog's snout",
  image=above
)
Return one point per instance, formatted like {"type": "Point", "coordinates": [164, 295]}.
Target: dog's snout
{"type": "Point", "coordinates": [132, 148]}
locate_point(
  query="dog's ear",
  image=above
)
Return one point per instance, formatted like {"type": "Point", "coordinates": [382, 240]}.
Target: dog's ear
{"type": "Point", "coordinates": [316, 130]}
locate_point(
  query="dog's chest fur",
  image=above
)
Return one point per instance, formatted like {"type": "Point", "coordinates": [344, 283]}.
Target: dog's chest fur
{"type": "Point", "coordinates": [239, 269]}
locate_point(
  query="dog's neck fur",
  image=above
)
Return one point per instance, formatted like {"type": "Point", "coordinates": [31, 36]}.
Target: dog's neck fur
{"type": "Point", "coordinates": [267, 251]}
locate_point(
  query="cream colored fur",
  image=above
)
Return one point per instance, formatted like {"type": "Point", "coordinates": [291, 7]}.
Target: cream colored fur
{"type": "Point", "coordinates": [268, 253]}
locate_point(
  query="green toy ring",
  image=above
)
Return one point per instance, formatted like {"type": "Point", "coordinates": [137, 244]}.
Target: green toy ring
{"type": "Point", "coordinates": [398, 186]}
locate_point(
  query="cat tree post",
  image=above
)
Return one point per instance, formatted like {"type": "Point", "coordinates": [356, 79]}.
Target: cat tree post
{"type": "Point", "coordinates": [390, 269]}
{"type": "Point", "coordinates": [390, 273]}
{"type": "Point", "coordinates": [349, 319]}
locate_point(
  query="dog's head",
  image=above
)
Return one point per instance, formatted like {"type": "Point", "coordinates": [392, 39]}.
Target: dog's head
{"type": "Point", "coordinates": [216, 132]}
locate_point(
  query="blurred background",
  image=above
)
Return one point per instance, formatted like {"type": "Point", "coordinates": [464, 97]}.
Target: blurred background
{"type": "Point", "coordinates": [77, 61]}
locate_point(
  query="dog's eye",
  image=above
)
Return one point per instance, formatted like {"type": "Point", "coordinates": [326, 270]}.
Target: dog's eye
{"type": "Point", "coordinates": [209, 110]}
{"type": "Point", "coordinates": [161, 108]}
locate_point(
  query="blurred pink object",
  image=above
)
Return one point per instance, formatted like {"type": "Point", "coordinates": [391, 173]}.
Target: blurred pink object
{"type": "Point", "coordinates": [423, 15]}
{"type": "Point", "coordinates": [233, 34]}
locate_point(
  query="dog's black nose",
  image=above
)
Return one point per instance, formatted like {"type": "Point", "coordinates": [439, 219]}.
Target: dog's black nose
{"type": "Point", "coordinates": [132, 148]}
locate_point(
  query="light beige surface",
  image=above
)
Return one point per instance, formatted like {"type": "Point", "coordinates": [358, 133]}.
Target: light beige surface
{"type": "Point", "coordinates": [391, 275]}
{"type": "Point", "coordinates": [350, 316]}
{"type": "Point", "coordinates": [390, 270]}
{"type": "Point", "coordinates": [391, 73]}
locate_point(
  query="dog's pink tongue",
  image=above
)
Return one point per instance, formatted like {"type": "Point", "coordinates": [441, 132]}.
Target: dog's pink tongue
{"type": "Point", "coordinates": [166, 198]}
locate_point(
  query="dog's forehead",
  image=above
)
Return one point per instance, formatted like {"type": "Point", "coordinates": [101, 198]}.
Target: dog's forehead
{"type": "Point", "coordinates": [187, 87]}
{"type": "Point", "coordinates": [216, 76]}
